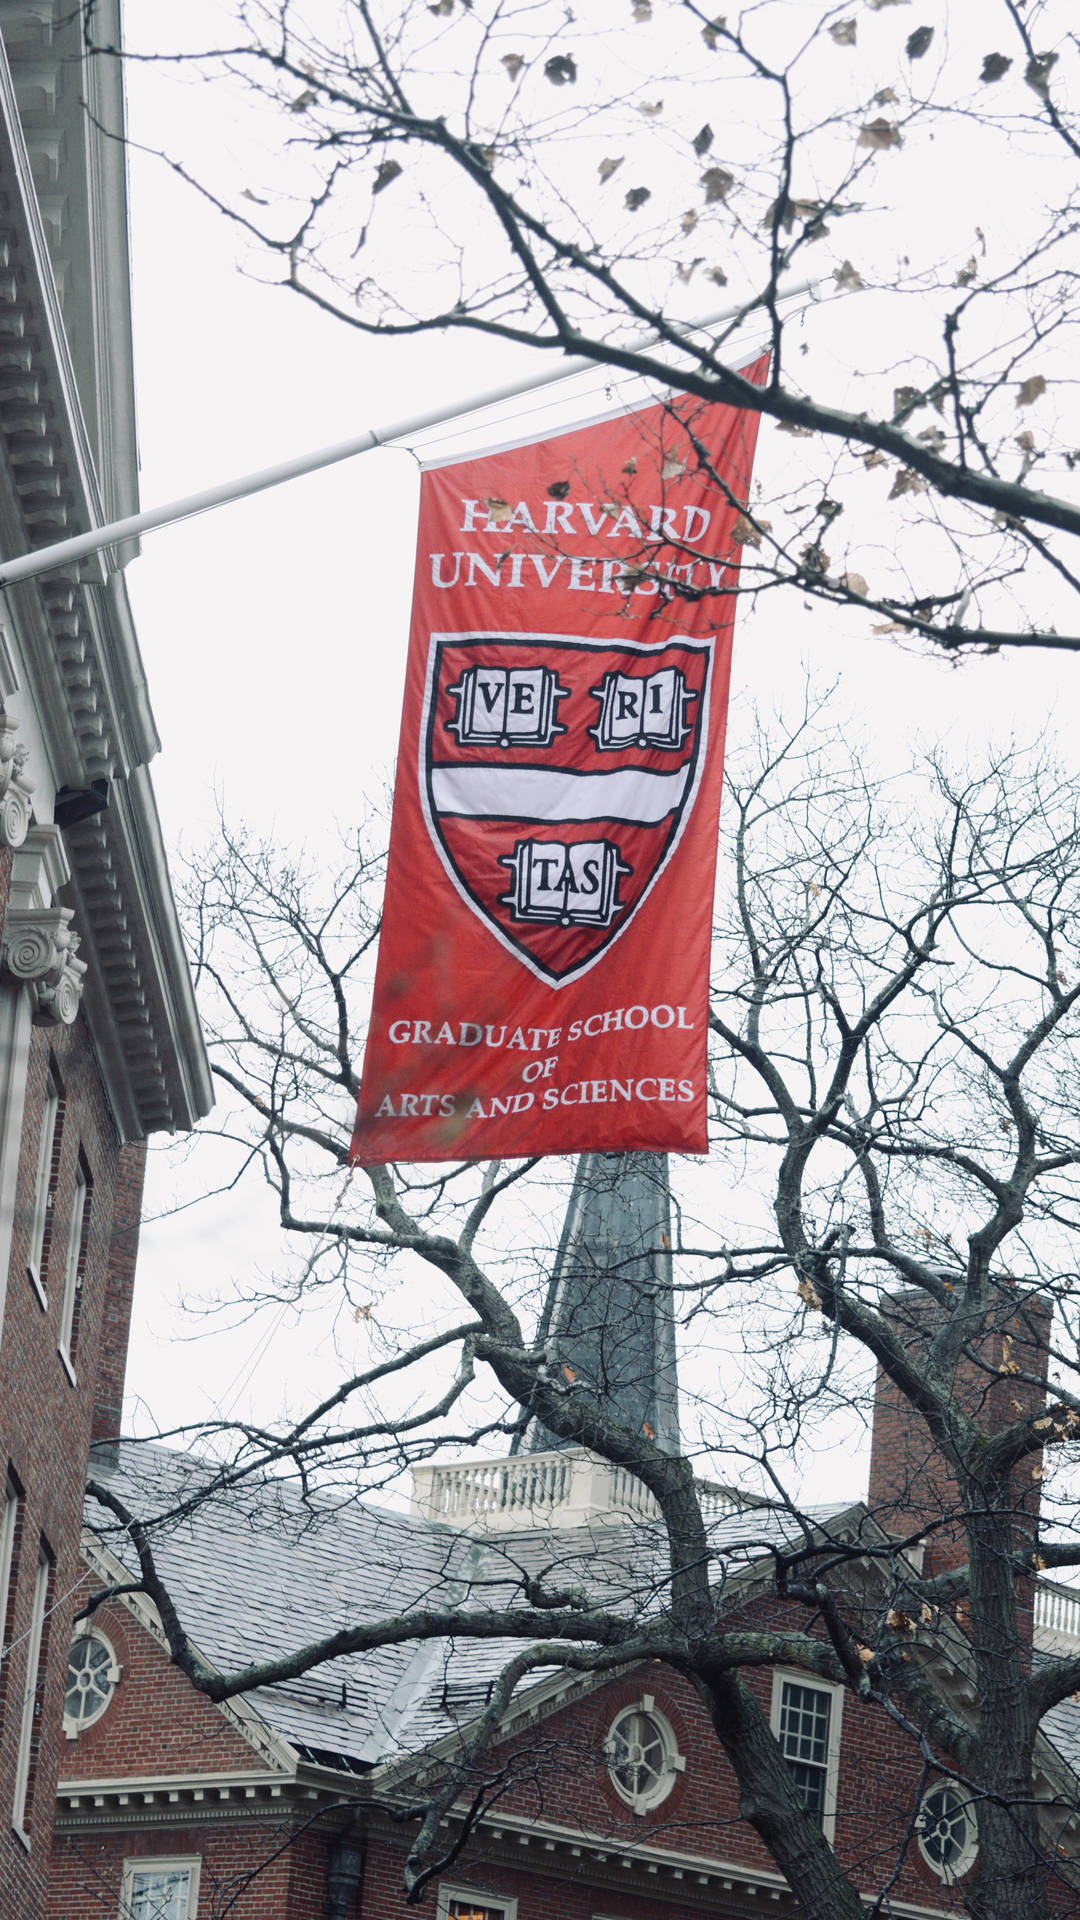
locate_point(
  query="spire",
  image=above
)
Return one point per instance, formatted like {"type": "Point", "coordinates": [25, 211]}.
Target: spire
{"type": "Point", "coordinates": [609, 1315]}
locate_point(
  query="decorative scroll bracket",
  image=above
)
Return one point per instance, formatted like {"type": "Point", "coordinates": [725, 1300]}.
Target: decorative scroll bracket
{"type": "Point", "coordinates": [15, 788]}
{"type": "Point", "coordinates": [39, 951]}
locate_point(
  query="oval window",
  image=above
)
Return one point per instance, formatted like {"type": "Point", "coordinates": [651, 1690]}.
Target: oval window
{"type": "Point", "coordinates": [92, 1675]}
{"type": "Point", "coordinates": [948, 1837]}
{"type": "Point", "coordinates": [642, 1758]}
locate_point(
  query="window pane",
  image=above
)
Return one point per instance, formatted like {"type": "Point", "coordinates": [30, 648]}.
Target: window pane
{"type": "Point", "coordinates": [160, 1893]}
{"type": "Point", "coordinates": [30, 1693]}
{"type": "Point", "coordinates": [44, 1178]}
{"type": "Point", "coordinates": [467, 1910]}
{"type": "Point", "coordinates": [804, 1741]}
{"type": "Point", "coordinates": [71, 1272]}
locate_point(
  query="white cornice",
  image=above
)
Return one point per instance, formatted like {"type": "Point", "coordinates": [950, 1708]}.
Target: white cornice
{"type": "Point", "coordinates": [82, 676]}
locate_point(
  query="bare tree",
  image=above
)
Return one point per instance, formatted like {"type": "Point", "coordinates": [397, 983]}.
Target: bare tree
{"type": "Point", "coordinates": [582, 180]}
{"type": "Point", "coordinates": [894, 1186]}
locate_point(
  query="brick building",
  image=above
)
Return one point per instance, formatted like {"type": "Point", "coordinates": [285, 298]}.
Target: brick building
{"type": "Point", "coordinates": [99, 1041]}
{"type": "Point", "coordinates": [614, 1800]}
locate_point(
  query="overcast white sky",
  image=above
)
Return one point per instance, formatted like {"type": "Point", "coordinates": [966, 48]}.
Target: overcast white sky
{"type": "Point", "coordinates": [274, 635]}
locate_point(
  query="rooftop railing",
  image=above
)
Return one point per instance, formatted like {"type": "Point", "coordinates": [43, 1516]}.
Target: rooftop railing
{"type": "Point", "coordinates": [567, 1487]}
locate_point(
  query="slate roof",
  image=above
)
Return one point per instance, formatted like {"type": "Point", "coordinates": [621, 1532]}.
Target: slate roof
{"type": "Point", "coordinates": [261, 1570]}
{"type": "Point", "coordinates": [1062, 1727]}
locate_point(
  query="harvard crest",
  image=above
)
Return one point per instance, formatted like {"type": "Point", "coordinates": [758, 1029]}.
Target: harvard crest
{"type": "Point", "coordinates": [556, 777]}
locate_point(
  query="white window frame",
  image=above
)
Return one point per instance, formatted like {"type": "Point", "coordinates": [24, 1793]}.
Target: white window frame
{"type": "Point", "coordinates": [111, 1673]}
{"type": "Point", "coordinates": [161, 1863]}
{"type": "Point", "coordinates": [674, 1761]}
{"type": "Point", "coordinates": [29, 1702]}
{"type": "Point", "coordinates": [71, 1267]}
{"type": "Point", "coordinates": [790, 1676]}
{"type": "Point", "coordinates": [8, 1523]}
{"type": "Point", "coordinates": [504, 1903]}
{"type": "Point", "coordinates": [43, 1186]}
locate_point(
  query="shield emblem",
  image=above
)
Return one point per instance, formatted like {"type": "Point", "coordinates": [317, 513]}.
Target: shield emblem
{"type": "Point", "coordinates": [556, 777]}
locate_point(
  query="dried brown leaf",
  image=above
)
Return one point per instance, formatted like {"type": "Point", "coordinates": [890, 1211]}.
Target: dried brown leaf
{"type": "Point", "coordinates": [559, 489]}
{"type": "Point", "coordinates": [686, 269]}
{"type": "Point", "coordinates": [673, 468]}
{"type": "Point", "coordinates": [918, 42]}
{"type": "Point", "coordinates": [636, 198]}
{"type": "Point", "coordinates": [388, 171]}
{"type": "Point", "coordinates": [880, 134]}
{"type": "Point", "coordinates": [711, 33]}
{"type": "Point", "coordinates": [789, 426]}
{"type": "Point", "coordinates": [642, 10]}
{"type": "Point", "coordinates": [1037, 73]}
{"type": "Point", "coordinates": [717, 183]}
{"type": "Point", "coordinates": [513, 63]}
{"type": "Point", "coordinates": [650, 108]}
{"type": "Point", "coordinates": [608, 167]}
{"type": "Point", "coordinates": [907, 481]}
{"type": "Point", "coordinates": [702, 140]}
{"type": "Point", "coordinates": [886, 97]}
{"type": "Point", "coordinates": [744, 533]}
{"type": "Point", "coordinates": [1026, 441]}
{"type": "Point", "coordinates": [994, 67]}
{"type": "Point", "coordinates": [689, 220]}
{"type": "Point", "coordinates": [967, 273]}
{"type": "Point", "coordinates": [875, 458]}
{"type": "Point", "coordinates": [718, 276]}
{"type": "Point", "coordinates": [561, 69]}
{"type": "Point", "coordinates": [808, 1293]}
{"type": "Point", "coordinates": [904, 399]}
{"type": "Point", "coordinates": [843, 32]}
{"type": "Point", "coordinates": [498, 510]}
{"type": "Point", "coordinates": [1030, 390]}
{"type": "Point", "coordinates": [848, 277]}
{"type": "Point", "coordinates": [855, 583]}
{"type": "Point", "coordinates": [302, 101]}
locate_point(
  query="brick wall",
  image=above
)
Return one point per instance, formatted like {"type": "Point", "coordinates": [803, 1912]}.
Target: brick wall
{"type": "Point", "coordinates": [46, 1417]}
{"type": "Point", "coordinates": [910, 1484]}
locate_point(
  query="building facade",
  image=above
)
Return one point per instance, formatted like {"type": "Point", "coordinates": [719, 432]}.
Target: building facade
{"type": "Point", "coordinates": [607, 1795]}
{"type": "Point", "coordinates": [99, 1040]}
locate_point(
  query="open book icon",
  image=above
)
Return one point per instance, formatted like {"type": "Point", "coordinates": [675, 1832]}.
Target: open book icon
{"type": "Point", "coordinates": [507, 707]}
{"type": "Point", "coordinates": [565, 883]}
{"type": "Point", "coordinates": [642, 710]}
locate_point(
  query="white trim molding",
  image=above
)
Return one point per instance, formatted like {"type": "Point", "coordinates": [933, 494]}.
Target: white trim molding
{"type": "Point", "coordinates": [487, 1905]}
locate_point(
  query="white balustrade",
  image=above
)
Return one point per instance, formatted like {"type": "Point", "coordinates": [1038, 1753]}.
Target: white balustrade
{"type": "Point", "coordinates": [567, 1487]}
{"type": "Point", "coordinates": [1057, 1617]}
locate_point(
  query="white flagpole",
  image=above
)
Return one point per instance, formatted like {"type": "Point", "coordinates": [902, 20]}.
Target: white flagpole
{"type": "Point", "coordinates": [62, 552]}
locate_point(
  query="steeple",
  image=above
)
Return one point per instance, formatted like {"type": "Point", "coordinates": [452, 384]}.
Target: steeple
{"type": "Point", "coordinates": [609, 1316]}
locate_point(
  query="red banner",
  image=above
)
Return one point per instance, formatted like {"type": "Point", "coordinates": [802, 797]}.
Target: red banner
{"type": "Point", "coordinates": [542, 981]}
